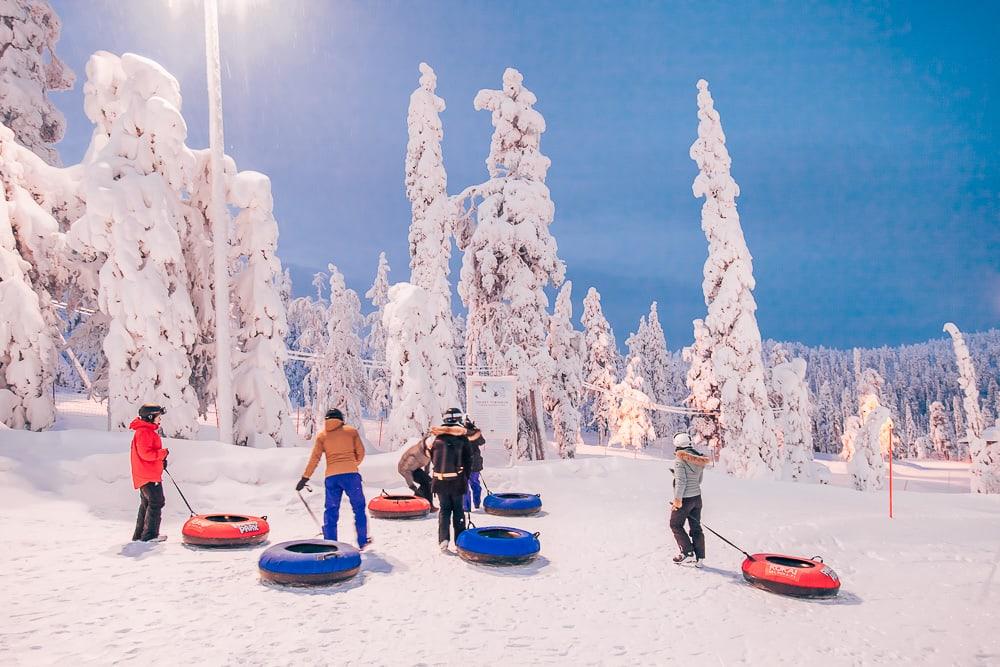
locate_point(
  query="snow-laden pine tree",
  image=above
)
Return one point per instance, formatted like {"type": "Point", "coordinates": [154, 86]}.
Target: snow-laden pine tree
{"type": "Point", "coordinates": [909, 434]}
{"type": "Point", "coordinates": [852, 425]}
{"type": "Point", "coordinates": [703, 397]}
{"type": "Point", "coordinates": [308, 318]}
{"type": "Point", "coordinates": [377, 398]}
{"type": "Point", "coordinates": [510, 255]}
{"type": "Point", "coordinates": [29, 69]}
{"type": "Point", "coordinates": [826, 420]}
{"type": "Point", "coordinates": [866, 466]}
{"type": "Point", "coordinates": [260, 386]}
{"type": "Point", "coordinates": [938, 431]}
{"type": "Point", "coordinates": [340, 379]}
{"type": "Point", "coordinates": [137, 167]}
{"type": "Point", "coordinates": [632, 425]}
{"type": "Point", "coordinates": [27, 352]}
{"type": "Point", "coordinates": [412, 355]}
{"type": "Point", "coordinates": [983, 476]}
{"type": "Point", "coordinates": [750, 448]}
{"type": "Point", "coordinates": [650, 344]}
{"type": "Point", "coordinates": [564, 388]}
{"type": "Point", "coordinates": [601, 364]}
{"type": "Point", "coordinates": [432, 222]}
{"type": "Point", "coordinates": [794, 420]}
{"type": "Point", "coordinates": [959, 441]}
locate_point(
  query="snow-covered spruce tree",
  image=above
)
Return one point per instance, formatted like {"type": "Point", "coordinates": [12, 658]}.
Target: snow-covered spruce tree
{"type": "Point", "coordinates": [412, 356]}
{"type": "Point", "coordinates": [794, 420]}
{"type": "Point", "coordinates": [27, 353]}
{"type": "Point", "coordinates": [510, 256]}
{"type": "Point", "coordinates": [909, 434]}
{"type": "Point", "coordinates": [852, 426]}
{"type": "Point", "coordinates": [959, 441]}
{"type": "Point", "coordinates": [340, 379]}
{"type": "Point", "coordinates": [433, 218]}
{"type": "Point", "coordinates": [377, 398]}
{"type": "Point", "coordinates": [866, 466]}
{"type": "Point", "coordinates": [650, 344]}
{"type": "Point", "coordinates": [750, 448]}
{"type": "Point", "coordinates": [564, 388]}
{"type": "Point", "coordinates": [259, 382]}
{"type": "Point", "coordinates": [702, 386]}
{"type": "Point", "coordinates": [308, 318]}
{"type": "Point", "coordinates": [29, 69]}
{"type": "Point", "coordinates": [984, 478]}
{"type": "Point", "coordinates": [601, 364]}
{"type": "Point", "coordinates": [137, 167]}
{"type": "Point", "coordinates": [938, 431]}
{"type": "Point", "coordinates": [826, 420]}
{"type": "Point", "coordinates": [632, 426]}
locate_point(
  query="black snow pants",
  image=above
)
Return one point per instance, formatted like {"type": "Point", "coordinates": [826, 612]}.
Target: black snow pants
{"type": "Point", "coordinates": [690, 511]}
{"type": "Point", "coordinates": [423, 481]}
{"type": "Point", "coordinates": [151, 502]}
{"type": "Point", "coordinates": [450, 511]}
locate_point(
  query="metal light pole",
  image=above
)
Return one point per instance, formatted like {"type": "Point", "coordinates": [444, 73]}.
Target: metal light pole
{"type": "Point", "coordinates": [220, 227]}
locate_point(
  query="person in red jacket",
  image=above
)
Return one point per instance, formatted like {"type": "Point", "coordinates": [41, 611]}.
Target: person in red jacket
{"type": "Point", "coordinates": [149, 460]}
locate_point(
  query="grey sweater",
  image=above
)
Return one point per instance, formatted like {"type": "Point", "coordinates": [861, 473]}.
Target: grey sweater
{"type": "Point", "coordinates": [689, 468]}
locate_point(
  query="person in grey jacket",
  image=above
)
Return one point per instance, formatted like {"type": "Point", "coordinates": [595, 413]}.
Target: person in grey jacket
{"type": "Point", "coordinates": [689, 467]}
{"type": "Point", "coordinates": [414, 465]}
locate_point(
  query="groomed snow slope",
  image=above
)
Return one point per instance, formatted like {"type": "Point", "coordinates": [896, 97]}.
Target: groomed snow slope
{"type": "Point", "coordinates": [922, 588]}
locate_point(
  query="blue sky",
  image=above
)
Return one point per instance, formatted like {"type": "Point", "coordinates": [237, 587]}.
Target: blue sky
{"type": "Point", "coordinates": [864, 138]}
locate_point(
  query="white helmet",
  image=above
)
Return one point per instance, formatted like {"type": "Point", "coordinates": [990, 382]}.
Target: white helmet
{"type": "Point", "coordinates": [682, 440]}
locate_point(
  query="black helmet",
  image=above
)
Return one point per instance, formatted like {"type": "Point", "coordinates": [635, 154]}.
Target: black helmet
{"type": "Point", "coordinates": [149, 411]}
{"type": "Point", "coordinates": [335, 413]}
{"type": "Point", "coordinates": [452, 417]}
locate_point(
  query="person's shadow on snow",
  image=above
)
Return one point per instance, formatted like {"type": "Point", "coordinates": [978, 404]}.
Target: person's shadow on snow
{"type": "Point", "coordinates": [378, 564]}
{"type": "Point", "coordinates": [139, 550]}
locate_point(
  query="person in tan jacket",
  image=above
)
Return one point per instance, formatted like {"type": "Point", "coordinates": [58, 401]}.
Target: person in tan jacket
{"type": "Point", "coordinates": [344, 451]}
{"type": "Point", "coordinates": [414, 465]}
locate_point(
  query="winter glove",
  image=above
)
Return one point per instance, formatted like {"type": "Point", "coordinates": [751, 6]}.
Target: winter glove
{"type": "Point", "coordinates": [164, 465]}
{"type": "Point", "coordinates": [302, 484]}
{"type": "Point", "coordinates": [470, 426]}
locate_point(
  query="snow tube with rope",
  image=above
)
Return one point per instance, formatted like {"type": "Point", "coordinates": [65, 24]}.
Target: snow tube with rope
{"type": "Point", "coordinates": [225, 530]}
{"type": "Point", "coordinates": [497, 545]}
{"type": "Point", "coordinates": [790, 575]}
{"type": "Point", "coordinates": [387, 506]}
{"type": "Point", "coordinates": [512, 504]}
{"type": "Point", "coordinates": [309, 562]}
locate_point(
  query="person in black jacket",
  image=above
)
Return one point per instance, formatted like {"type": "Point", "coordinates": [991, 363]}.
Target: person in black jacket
{"type": "Point", "coordinates": [474, 492]}
{"type": "Point", "coordinates": [451, 456]}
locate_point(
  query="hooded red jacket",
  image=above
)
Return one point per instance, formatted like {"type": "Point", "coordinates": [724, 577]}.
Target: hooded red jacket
{"type": "Point", "coordinates": [147, 453]}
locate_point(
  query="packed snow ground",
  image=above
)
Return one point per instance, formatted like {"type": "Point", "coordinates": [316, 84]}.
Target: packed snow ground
{"type": "Point", "coordinates": [923, 587]}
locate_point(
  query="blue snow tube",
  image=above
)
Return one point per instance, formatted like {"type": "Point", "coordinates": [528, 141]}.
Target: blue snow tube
{"type": "Point", "coordinates": [309, 562]}
{"type": "Point", "coordinates": [498, 545]}
{"type": "Point", "coordinates": [512, 504]}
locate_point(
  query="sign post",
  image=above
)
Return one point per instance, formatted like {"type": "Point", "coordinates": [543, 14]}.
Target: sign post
{"type": "Point", "coordinates": [491, 402]}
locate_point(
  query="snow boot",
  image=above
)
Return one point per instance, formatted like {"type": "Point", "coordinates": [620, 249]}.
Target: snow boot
{"type": "Point", "coordinates": [444, 545]}
{"type": "Point", "coordinates": [158, 538]}
{"type": "Point", "coordinates": [689, 557]}
{"type": "Point", "coordinates": [362, 547]}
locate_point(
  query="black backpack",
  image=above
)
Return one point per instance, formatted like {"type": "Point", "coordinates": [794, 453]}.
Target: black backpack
{"type": "Point", "coordinates": [447, 453]}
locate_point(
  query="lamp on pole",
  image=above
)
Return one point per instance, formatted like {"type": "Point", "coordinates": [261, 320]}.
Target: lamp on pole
{"type": "Point", "coordinates": [219, 216]}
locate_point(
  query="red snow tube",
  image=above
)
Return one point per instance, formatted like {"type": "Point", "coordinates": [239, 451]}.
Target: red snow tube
{"type": "Point", "coordinates": [398, 507]}
{"type": "Point", "coordinates": [225, 530]}
{"type": "Point", "coordinates": [789, 575]}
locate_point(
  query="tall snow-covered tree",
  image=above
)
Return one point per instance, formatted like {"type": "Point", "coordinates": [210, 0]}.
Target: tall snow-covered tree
{"type": "Point", "coordinates": [259, 381]}
{"type": "Point", "coordinates": [308, 318]}
{"type": "Point", "coordinates": [650, 344]}
{"type": "Point", "coordinates": [340, 379]}
{"type": "Point", "coordinates": [510, 255]}
{"type": "Point", "coordinates": [431, 226]}
{"type": "Point", "coordinates": [970, 394]}
{"type": "Point", "coordinates": [632, 426]}
{"type": "Point", "coordinates": [27, 352]}
{"type": "Point", "coordinates": [377, 400]}
{"type": "Point", "coordinates": [750, 448]}
{"type": "Point", "coordinates": [794, 420]}
{"type": "Point", "coordinates": [940, 440]}
{"type": "Point", "coordinates": [564, 388]}
{"type": "Point", "coordinates": [601, 363]}
{"type": "Point", "coordinates": [412, 355]}
{"type": "Point", "coordinates": [866, 466]}
{"type": "Point", "coordinates": [29, 69]}
{"type": "Point", "coordinates": [826, 420]}
{"type": "Point", "coordinates": [138, 167]}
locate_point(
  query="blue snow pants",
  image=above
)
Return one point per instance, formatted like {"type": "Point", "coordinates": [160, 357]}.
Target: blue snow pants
{"type": "Point", "coordinates": [474, 492]}
{"type": "Point", "coordinates": [349, 483]}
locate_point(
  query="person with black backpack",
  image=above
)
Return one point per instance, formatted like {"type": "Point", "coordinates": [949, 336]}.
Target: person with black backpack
{"type": "Point", "coordinates": [474, 492]}
{"type": "Point", "coordinates": [451, 456]}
